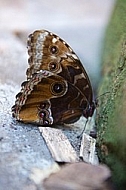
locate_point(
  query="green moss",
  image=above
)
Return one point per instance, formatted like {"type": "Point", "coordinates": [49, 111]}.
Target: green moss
{"type": "Point", "coordinates": [111, 119]}
{"type": "Point", "coordinates": [114, 33]}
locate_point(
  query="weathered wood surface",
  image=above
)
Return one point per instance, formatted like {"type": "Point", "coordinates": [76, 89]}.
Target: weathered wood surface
{"type": "Point", "coordinates": [59, 145]}
{"type": "Point", "coordinates": [61, 148]}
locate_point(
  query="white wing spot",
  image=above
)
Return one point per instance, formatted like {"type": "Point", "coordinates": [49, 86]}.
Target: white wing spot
{"type": "Point", "coordinates": [74, 56]}
{"type": "Point", "coordinates": [54, 40]}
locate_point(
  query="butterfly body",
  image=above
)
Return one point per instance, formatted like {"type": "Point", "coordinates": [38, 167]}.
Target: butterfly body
{"type": "Point", "coordinates": [57, 89]}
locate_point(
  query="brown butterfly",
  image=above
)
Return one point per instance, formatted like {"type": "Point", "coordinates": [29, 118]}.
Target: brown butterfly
{"type": "Point", "coordinates": [57, 89]}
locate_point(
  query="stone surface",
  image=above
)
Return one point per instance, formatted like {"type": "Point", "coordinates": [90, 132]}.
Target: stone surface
{"type": "Point", "coordinates": [80, 176]}
{"type": "Point", "coordinates": [22, 148]}
{"type": "Point", "coordinates": [13, 59]}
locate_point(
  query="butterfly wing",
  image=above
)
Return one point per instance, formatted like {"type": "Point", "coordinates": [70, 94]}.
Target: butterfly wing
{"type": "Point", "coordinates": [49, 52]}
{"type": "Point", "coordinates": [47, 99]}
{"type": "Point", "coordinates": [57, 89]}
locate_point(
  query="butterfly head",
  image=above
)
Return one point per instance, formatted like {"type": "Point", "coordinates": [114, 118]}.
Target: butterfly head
{"type": "Point", "coordinates": [88, 112]}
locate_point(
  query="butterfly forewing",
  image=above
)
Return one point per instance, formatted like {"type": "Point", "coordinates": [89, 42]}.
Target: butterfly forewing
{"type": "Point", "coordinates": [49, 52]}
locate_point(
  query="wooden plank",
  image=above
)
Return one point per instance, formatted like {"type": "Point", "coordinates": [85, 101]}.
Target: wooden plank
{"type": "Point", "coordinates": [87, 150]}
{"type": "Point", "coordinates": [88, 144]}
{"type": "Point", "coordinates": [69, 145]}
{"type": "Point", "coordinates": [59, 145]}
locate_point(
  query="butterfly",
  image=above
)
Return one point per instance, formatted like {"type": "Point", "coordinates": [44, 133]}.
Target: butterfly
{"type": "Point", "coordinates": [57, 89]}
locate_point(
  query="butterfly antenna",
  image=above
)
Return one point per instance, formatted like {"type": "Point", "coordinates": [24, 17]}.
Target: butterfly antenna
{"type": "Point", "coordinates": [80, 135]}
{"type": "Point", "coordinates": [101, 95]}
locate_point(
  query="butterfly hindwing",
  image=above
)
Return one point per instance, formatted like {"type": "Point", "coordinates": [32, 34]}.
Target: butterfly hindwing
{"type": "Point", "coordinates": [46, 100]}
{"type": "Point", "coordinates": [33, 102]}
